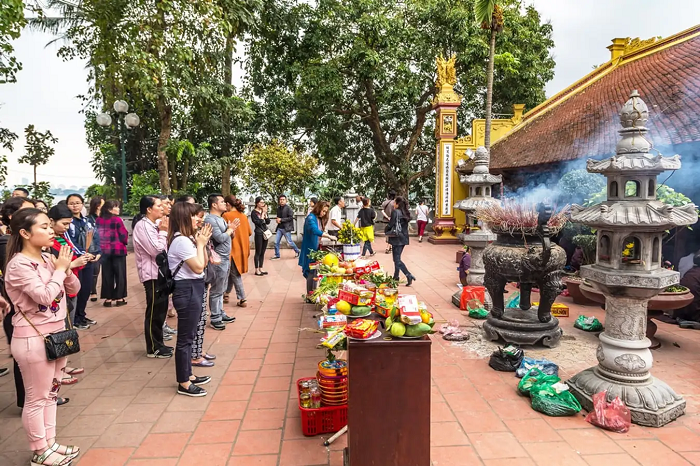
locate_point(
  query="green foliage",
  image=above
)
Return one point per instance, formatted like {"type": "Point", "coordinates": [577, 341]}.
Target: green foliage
{"type": "Point", "coordinates": [664, 193]}
{"type": "Point", "coordinates": [37, 148]}
{"type": "Point", "coordinates": [483, 10]}
{"type": "Point", "coordinates": [141, 185]}
{"type": "Point", "coordinates": [106, 191]}
{"type": "Point", "coordinates": [11, 23]}
{"type": "Point", "coordinates": [274, 169]}
{"type": "Point", "coordinates": [354, 80]}
{"type": "Point", "coordinates": [577, 186]}
{"type": "Point", "coordinates": [40, 190]}
{"type": "Point", "coordinates": [588, 244]}
{"type": "Point", "coordinates": [7, 140]}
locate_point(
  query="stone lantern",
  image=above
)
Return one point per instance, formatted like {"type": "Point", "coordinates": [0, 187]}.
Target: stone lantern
{"type": "Point", "coordinates": [480, 183]}
{"type": "Point", "coordinates": [352, 207]}
{"type": "Point", "coordinates": [630, 226]}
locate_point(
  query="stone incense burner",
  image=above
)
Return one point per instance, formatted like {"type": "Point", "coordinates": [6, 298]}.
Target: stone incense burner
{"type": "Point", "coordinates": [530, 259]}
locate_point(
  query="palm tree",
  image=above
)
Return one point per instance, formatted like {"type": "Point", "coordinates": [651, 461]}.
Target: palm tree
{"type": "Point", "coordinates": [490, 16]}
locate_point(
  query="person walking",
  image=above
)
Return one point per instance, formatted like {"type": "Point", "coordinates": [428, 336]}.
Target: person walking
{"type": "Point", "coordinates": [387, 209]}
{"type": "Point", "coordinates": [313, 232]}
{"type": "Point", "coordinates": [422, 213]}
{"type": "Point", "coordinates": [78, 233]}
{"type": "Point", "coordinates": [221, 234]}
{"type": "Point", "coordinates": [37, 285]}
{"type": "Point", "coordinates": [96, 204]}
{"type": "Point", "coordinates": [262, 234]}
{"type": "Point", "coordinates": [150, 236]}
{"type": "Point", "coordinates": [240, 249]}
{"type": "Point", "coordinates": [335, 217]}
{"type": "Point", "coordinates": [114, 239]}
{"type": "Point", "coordinates": [285, 226]}
{"type": "Point", "coordinates": [397, 232]}
{"type": "Point", "coordinates": [187, 259]}
{"type": "Point", "coordinates": [365, 218]}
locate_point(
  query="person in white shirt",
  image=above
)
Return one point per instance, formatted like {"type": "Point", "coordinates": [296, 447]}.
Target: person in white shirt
{"type": "Point", "coordinates": [335, 217]}
{"type": "Point", "coordinates": [422, 212]}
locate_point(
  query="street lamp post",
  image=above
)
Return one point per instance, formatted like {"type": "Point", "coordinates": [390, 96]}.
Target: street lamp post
{"type": "Point", "coordinates": [125, 120]}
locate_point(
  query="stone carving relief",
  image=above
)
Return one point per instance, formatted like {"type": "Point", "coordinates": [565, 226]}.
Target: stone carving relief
{"type": "Point", "coordinates": [631, 362]}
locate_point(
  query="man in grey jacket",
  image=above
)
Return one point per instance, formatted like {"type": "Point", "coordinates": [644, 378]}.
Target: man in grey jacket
{"type": "Point", "coordinates": [285, 226]}
{"type": "Point", "coordinates": [222, 232]}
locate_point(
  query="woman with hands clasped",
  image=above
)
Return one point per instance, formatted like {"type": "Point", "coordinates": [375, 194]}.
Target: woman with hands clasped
{"type": "Point", "coordinates": [37, 284]}
{"type": "Point", "coordinates": [187, 259]}
{"type": "Point", "coordinates": [261, 222]}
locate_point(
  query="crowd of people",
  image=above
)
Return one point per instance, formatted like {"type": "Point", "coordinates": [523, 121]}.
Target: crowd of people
{"type": "Point", "coordinates": [189, 260]}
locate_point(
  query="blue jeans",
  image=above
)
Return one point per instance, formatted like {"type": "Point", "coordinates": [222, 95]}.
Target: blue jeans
{"type": "Point", "coordinates": [216, 291]}
{"type": "Point", "coordinates": [288, 235]}
{"type": "Point", "coordinates": [396, 252]}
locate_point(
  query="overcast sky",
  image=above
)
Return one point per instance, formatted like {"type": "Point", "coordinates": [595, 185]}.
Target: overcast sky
{"type": "Point", "coordinates": [45, 94]}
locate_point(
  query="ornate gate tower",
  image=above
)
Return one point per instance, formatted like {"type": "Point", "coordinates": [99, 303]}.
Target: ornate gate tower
{"type": "Point", "coordinates": [446, 103]}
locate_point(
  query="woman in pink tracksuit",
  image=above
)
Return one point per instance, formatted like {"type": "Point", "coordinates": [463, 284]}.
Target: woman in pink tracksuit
{"type": "Point", "coordinates": [37, 284]}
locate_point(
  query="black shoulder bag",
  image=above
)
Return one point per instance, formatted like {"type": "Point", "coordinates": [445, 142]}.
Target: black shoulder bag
{"type": "Point", "coordinates": [397, 229]}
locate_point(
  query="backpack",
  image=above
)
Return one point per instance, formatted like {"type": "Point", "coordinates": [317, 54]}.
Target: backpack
{"type": "Point", "coordinates": [166, 279]}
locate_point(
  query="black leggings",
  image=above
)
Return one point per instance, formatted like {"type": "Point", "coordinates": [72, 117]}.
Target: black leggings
{"type": "Point", "coordinates": [260, 248]}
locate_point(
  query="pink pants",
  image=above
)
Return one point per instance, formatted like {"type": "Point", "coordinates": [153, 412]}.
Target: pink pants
{"type": "Point", "coordinates": [42, 380]}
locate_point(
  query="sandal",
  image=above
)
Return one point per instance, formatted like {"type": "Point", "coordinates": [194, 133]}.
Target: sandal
{"type": "Point", "coordinates": [242, 303]}
{"type": "Point", "coordinates": [43, 459]}
{"type": "Point", "coordinates": [93, 297]}
{"type": "Point", "coordinates": [226, 298]}
{"type": "Point", "coordinates": [69, 451]}
{"type": "Point", "coordinates": [121, 303]}
{"type": "Point", "coordinates": [75, 371]}
{"type": "Point", "coordinates": [107, 304]}
{"type": "Point", "coordinates": [69, 381]}
{"type": "Point", "coordinates": [62, 401]}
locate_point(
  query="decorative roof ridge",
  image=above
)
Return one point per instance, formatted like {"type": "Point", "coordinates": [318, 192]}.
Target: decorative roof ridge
{"type": "Point", "coordinates": [600, 72]}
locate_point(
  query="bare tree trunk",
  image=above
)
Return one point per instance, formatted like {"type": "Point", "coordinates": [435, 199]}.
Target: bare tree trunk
{"type": "Point", "coordinates": [173, 175]}
{"type": "Point", "coordinates": [185, 174]}
{"type": "Point", "coordinates": [226, 180]}
{"type": "Point", "coordinates": [489, 89]}
{"type": "Point", "coordinates": [226, 148]}
{"type": "Point", "coordinates": [34, 167]}
{"type": "Point", "coordinates": [166, 115]}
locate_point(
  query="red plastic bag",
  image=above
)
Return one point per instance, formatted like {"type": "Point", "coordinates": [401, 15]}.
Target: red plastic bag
{"type": "Point", "coordinates": [614, 416]}
{"type": "Point", "coordinates": [469, 293]}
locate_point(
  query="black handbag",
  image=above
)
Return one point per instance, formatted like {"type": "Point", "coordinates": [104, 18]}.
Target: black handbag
{"type": "Point", "coordinates": [59, 344]}
{"type": "Point", "coordinates": [396, 230]}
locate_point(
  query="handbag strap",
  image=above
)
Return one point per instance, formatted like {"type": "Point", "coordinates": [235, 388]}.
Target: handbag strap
{"type": "Point", "coordinates": [33, 326]}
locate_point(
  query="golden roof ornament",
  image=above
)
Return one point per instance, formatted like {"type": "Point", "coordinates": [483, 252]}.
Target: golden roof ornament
{"type": "Point", "coordinates": [446, 79]}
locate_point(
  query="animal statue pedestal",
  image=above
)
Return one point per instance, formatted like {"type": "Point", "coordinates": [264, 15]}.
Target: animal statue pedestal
{"type": "Point", "coordinates": [523, 328]}
{"type": "Point", "coordinates": [529, 260]}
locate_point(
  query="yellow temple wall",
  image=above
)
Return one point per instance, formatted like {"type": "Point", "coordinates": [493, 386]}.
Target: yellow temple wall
{"type": "Point", "coordinates": [499, 128]}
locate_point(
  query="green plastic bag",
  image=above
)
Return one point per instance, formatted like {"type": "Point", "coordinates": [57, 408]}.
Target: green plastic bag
{"type": "Point", "coordinates": [554, 400]}
{"type": "Point", "coordinates": [476, 309]}
{"type": "Point", "coordinates": [534, 377]}
{"type": "Point", "coordinates": [588, 324]}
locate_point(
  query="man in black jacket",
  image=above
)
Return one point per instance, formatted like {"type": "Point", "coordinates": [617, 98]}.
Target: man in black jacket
{"type": "Point", "coordinates": [285, 226]}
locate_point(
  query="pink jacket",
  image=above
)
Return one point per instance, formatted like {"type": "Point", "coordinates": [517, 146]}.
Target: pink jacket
{"type": "Point", "coordinates": [38, 290]}
{"type": "Point", "coordinates": [149, 241]}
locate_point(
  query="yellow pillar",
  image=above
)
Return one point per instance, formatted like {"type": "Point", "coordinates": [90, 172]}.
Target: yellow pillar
{"type": "Point", "coordinates": [446, 103]}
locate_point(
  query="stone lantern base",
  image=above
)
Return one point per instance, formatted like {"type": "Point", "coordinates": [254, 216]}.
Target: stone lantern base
{"type": "Point", "coordinates": [652, 403]}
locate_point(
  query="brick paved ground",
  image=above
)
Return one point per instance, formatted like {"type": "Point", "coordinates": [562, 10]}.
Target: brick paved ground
{"type": "Point", "coordinates": [124, 410]}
